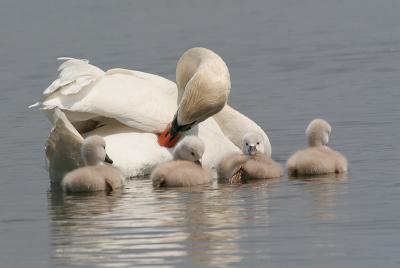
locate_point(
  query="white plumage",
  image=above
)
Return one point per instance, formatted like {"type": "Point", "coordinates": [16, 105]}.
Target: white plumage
{"type": "Point", "coordinates": [129, 108]}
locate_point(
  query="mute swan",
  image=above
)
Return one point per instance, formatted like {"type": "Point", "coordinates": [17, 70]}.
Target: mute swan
{"type": "Point", "coordinates": [185, 169]}
{"type": "Point", "coordinates": [251, 164]}
{"type": "Point", "coordinates": [129, 108]}
{"type": "Point", "coordinates": [96, 175]}
{"type": "Point", "coordinates": [318, 158]}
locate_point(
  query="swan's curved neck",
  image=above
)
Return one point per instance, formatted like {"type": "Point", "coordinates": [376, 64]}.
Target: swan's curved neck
{"type": "Point", "coordinates": [186, 68]}
{"type": "Point", "coordinates": [203, 84]}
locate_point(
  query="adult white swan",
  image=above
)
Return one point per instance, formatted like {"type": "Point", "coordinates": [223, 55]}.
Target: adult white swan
{"type": "Point", "coordinates": [130, 108]}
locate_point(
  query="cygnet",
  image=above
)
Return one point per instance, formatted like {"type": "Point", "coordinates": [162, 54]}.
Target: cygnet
{"type": "Point", "coordinates": [252, 163]}
{"type": "Point", "coordinates": [185, 170]}
{"type": "Point", "coordinates": [318, 158]}
{"type": "Point", "coordinates": [98, 173]}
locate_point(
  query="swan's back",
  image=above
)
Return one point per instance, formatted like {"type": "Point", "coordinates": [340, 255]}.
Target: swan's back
{"type": "Point", "coordinates": [179, 173]}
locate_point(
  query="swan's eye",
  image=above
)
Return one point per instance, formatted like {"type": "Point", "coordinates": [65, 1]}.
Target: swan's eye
{"type": "Point", "coordinates": [104, 147]}
{"type": "Point", "coordinates": [192, 153]}
{"type": "Point", "coordinates": [258, 143]}
{"type": "Point", "coordinates": [247, 144]}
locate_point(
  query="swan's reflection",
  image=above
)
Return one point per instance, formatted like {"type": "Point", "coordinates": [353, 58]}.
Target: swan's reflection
{"type": "Point", "coordinates": [141, 225]}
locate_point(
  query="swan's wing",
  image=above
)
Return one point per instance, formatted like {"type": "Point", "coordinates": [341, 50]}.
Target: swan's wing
{"type": "Point", "coordinates": [140, 100]}
{"type": "Point", "coordinates": [74, 75]}
{"type": "Point", "coordinates": [235, 125]}
{"type": "Point", "coordinates": [62, 147]}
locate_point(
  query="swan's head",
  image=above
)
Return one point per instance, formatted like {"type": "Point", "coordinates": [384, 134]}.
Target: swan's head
{"type": "Point", "coordinates": [204, 84]}
{"type": "Point", "coordinates": [318, 132]}
{"type": "Point", "coordinates": [252, 143]}
{"type": "Point", "coordinates": [190, 148]}
{"type": "Point", "coordinates": [93, 151]}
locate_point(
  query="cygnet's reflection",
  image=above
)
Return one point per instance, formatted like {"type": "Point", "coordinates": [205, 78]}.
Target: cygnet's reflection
{"type": "Point", "coordinates": [321, 192]}
{"type": "Point", "coordinates": [322, 189]}
{"type": "Point", "coordinates": [211, 224]}
{"type": "Point", "coordinates": [123, 228]}
{"type": "Point", "coordinates": [140, 225]}
{"type": "Point", "coordinates": [217, 219]}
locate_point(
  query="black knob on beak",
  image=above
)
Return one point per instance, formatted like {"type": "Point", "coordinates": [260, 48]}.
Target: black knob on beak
{"type": "Point", "coordinates": [108, 159]}
{"type": "Point", "coordinates": [176, 128]}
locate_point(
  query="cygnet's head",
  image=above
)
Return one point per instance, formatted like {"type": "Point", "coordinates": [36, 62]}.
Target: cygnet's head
{"type": "Point", "coordinates": [318, 132]}
{"type": "Point", "coordinates": [190, 148]}
{"type": "Point", "coordinates": [93, 151]}
{"type": "Point", "coordinates": [252, 143]}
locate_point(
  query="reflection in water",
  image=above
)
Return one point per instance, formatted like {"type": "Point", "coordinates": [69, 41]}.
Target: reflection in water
{"type": "Point", "coordinates": [215, 225]}
{"type": "Point", "coordinates": [322, 189]}
{"type": "Point", "coordinates": [91, 229]}
{"type": "Point", "coordinates": [209, 241]}
{"type": "Point", "coordinates": [321, 194]}
{"type": "Point", "coordinates": [140, 225]}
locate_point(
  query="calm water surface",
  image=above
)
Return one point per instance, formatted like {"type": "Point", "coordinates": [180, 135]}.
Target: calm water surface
{"type": "Point", "coordinates": [290, 61]}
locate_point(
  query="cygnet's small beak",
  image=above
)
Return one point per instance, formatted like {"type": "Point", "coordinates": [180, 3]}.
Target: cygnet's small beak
{"type": "Point", "coordinates": [252, 150]}
{"type": "Point", "coordinates": [198, 162]}
{"type": "Point", "coordinates": [108, 159]}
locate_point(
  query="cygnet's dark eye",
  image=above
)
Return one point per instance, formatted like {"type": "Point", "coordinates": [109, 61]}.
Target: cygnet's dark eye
{"type": "Point", "coordinates": [258, 143]}
{"type": "Point", "coordinates": [192, 153]}
{"type": "Point", "coordinates": [247, 144]}
{"type": "Point", "coordinates": [104, 147]}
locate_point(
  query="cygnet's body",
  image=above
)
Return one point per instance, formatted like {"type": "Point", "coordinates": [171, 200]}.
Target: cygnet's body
{"type": "Point", "coordinates": [185, 170]}
{"type": "Point", "coordinates": [318, 158]}
{"type": "Point", "coordinates": [96, 175]}
{"type": "Point", "coordinates": [251, 164]}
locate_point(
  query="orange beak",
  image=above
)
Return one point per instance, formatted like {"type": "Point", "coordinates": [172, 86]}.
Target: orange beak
{"type": "Point", "coordinates": [165, 139]}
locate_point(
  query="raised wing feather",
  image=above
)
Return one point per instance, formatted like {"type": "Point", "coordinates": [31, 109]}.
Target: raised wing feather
{"type": "Point", "coordinates": [75, 73]}
{"type": "Point", "coordinates": [140, 100]}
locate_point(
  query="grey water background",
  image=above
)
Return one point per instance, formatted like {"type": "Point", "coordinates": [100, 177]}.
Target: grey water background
{"type": "Point", "coordinates": [290, 61]}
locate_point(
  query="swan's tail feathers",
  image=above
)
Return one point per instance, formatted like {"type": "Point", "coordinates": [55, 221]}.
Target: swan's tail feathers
{"type": "Point", "coordinates": [36, 104]}
{"type": "Point", "coordinates": [62, 148]}
{"type": "Point", "coordinates": [74, 75]}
